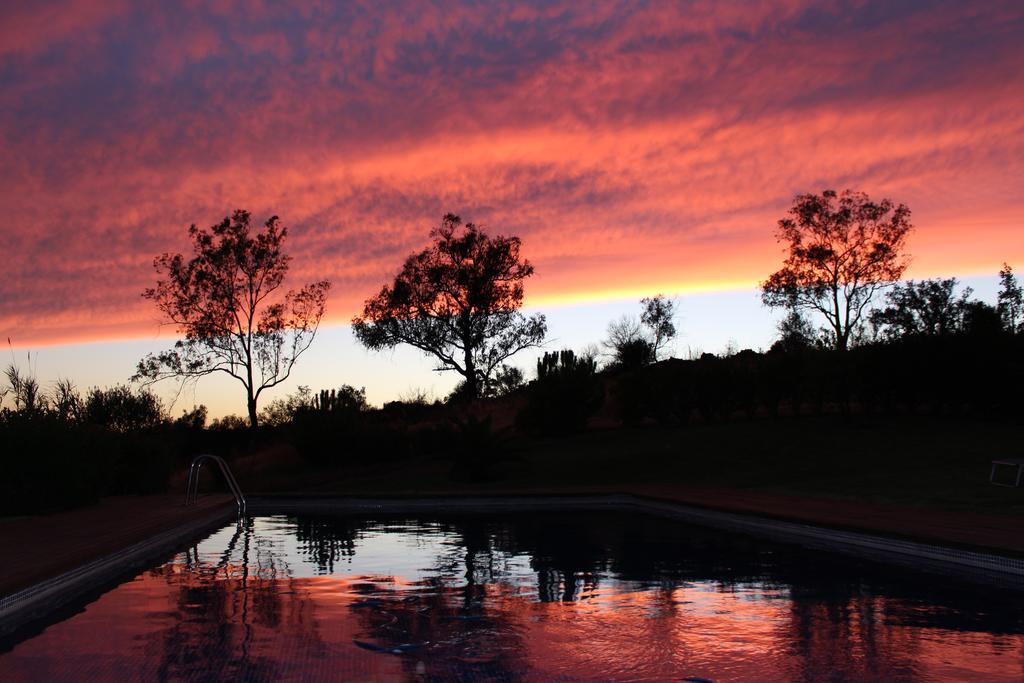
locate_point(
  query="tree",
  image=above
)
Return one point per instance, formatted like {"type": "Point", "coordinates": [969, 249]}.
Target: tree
{"type": "Point", "coordinates": [1011, 301]}
{"type": "Point", "coordinates": [929, 308]}
{"type": "Point", "coordinates": [841, 250]}
{"type": "Point", "coordinates": [226, 302]}
{"type": "Point", "coordinates": [982, 321]}
{"type": "Point", "coordinates": [657, 316]}
{"type": "Point", "coordinates": [458, 301]}
{"type": "Point", "coordinates": [796, 334]}
{"type": "Point", "coordinates": [633, 343]}
{"type": "Point", "coordinates": [507, 379]}
{"type": "Point", "coordinates": [628, 345]}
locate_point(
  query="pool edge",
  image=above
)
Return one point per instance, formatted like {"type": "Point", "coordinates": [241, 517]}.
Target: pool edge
{"type": "Point", "coordinates": [41, 599]}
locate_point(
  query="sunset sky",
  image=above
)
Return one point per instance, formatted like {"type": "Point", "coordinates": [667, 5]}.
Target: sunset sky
{"type": "Point", "coordinates": [634, 147]}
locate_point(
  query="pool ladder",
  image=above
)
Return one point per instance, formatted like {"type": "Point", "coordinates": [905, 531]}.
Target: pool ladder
{"type": "Point", "coordinates": [192, 487]}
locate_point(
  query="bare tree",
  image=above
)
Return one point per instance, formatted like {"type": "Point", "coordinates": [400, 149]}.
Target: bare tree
{"type": "Point", "coordinates": [227, 303]}
{"type": "Point", "coordinates": [628, 344]}
{"type": "Point", "coordinates": [840, 251]}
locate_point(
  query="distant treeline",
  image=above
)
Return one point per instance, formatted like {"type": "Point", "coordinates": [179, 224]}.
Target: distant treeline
{"type": "Point", "coordinates": [929, 350]}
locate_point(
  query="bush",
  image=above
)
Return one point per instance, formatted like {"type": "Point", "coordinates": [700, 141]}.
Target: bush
{"type": "Point", "coordinates": [52, 464]}
{"type": "Point", "coordinates": [122, 410]}
{"type": "Point", "coordinates": [48, 465]}
{"type": "Point", "coordinates": [566, 393]}
{"type": "Point", "coordinates": [331, 425]}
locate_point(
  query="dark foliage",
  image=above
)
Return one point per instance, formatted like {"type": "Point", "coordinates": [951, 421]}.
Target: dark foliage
{"type": "Point", "coordinates": [926, 308]}
{"type": "Point", "coordinates": [48, 465]}
{"type": "Point", "coordinates": [225, 302]}
{"type": "Point", "coordinates": [475, 448]}
{"type": "Point", "coordinates": [120, 409]}
{"type": "Point", "coordinates": [330, 428]}
{"type": "Point", "coordinates": [796, 335]}
{"type": "Point", "coordinates": [973, 373]}
{"type": "Point", "coordinates": [633, 354]}
{"type": "Point", "coordinates": [658, 317]}
{"type": "Point", "coordinates": [457, 301]}
{"type": "Point", "coordinates": [566, 393]}
{"type": "Point", "coordinates": [506, 381]}
{"type": "Point", "coordinates": [194, 419]}
{"type": "Point", "coordinates": [840, 250]}
{"type": "Point", "coordinates": [629, 344]}
{"type": "Point", "coordinates": [1011, 301]}
{"type": "Point", "coordinates": [55, 464]}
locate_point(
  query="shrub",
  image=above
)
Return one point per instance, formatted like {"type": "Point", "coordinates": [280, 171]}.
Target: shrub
{"type": "Point", "coordinates": [122, 410]}
{"type": "Point", "coordinates": [330, 425]}
{"type": "Point", "coordinates": [566, 393]}
{"type": "Point", "coordinates": [48, 465]}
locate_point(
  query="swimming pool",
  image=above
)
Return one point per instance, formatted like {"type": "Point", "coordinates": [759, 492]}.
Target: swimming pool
{"type": "Point", "coordinates": [506, 597]}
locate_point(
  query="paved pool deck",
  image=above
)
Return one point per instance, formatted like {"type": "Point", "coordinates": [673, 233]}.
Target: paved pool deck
{"type": "Point", "coordinates": [38, 548]}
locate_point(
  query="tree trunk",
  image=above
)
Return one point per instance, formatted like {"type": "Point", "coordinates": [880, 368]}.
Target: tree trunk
{"type": "Point", "coordinates": [253, 418]}
{"type": "Point", "coordinates": [472, 390]}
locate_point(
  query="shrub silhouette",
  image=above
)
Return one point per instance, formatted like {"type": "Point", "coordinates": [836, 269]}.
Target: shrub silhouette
{"type": "Point", "coordinates": [122, 410]}
{"type": "Point", "coordinates": [330, 425]}
{"type": "Point", "coordinates": [564, 396]}
{"type": "Point", "coordinates": [346, 401]}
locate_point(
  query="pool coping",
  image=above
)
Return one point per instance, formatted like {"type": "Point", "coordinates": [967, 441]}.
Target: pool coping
{"type": "Point", "coordinates": [38, 601]}
{"type": "Point", "coordinates": [41, 599]}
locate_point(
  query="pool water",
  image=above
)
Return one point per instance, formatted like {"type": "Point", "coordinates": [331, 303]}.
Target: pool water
{"type": "Point", "coordinates": [567, 597]}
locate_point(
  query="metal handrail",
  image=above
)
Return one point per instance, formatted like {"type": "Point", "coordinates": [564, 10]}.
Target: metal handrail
{"type": "Point", "coordinates": [192, 487]}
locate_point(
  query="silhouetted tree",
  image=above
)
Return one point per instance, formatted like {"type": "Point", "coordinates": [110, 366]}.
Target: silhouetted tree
{"type": "Point", "coordinates": [193, 419]}
{"type": "Point", "coordinates": [281, 411]}
{"type": "Point", "coordinates": [795, 333]}
{"type": "Point", "coordinates": [226, 301]}
{"type": "Point", "coordinates": [982, 320]}
{"type": "Point", "coordinates": [628, 344]}
{"type": "Point", "coordinates": [506, 380]}
{"type": "Point", "coordinates": [458, 301]}
{"type": "Point", "coordinates": [657, 317]}
{"type": "Point", "coordinates": [634, 343]}
{"type": "Point", "coordinates": [1011, 301]}
{"type": "Point", "coordinates": [840, 251]}
{"type": "Point", "coordinates": [929, 308]}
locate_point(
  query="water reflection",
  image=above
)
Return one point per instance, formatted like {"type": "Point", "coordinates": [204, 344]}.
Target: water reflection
{"type": "Point", "coordinates": [532, 597]}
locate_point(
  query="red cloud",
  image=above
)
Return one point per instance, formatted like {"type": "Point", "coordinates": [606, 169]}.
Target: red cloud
{"type": "Point", "coordinates": [639, 149]}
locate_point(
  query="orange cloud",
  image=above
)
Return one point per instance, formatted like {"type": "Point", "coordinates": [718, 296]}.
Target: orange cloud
{"type": "Point", "coordinates": [634, 149]}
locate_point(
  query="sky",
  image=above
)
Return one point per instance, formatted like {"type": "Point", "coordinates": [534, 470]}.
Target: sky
{"type": "Point", "coordinates": [634, 147]}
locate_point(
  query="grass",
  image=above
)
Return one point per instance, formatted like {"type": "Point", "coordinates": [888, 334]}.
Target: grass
{"type": "Point", "coordinates": [922, 461]}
